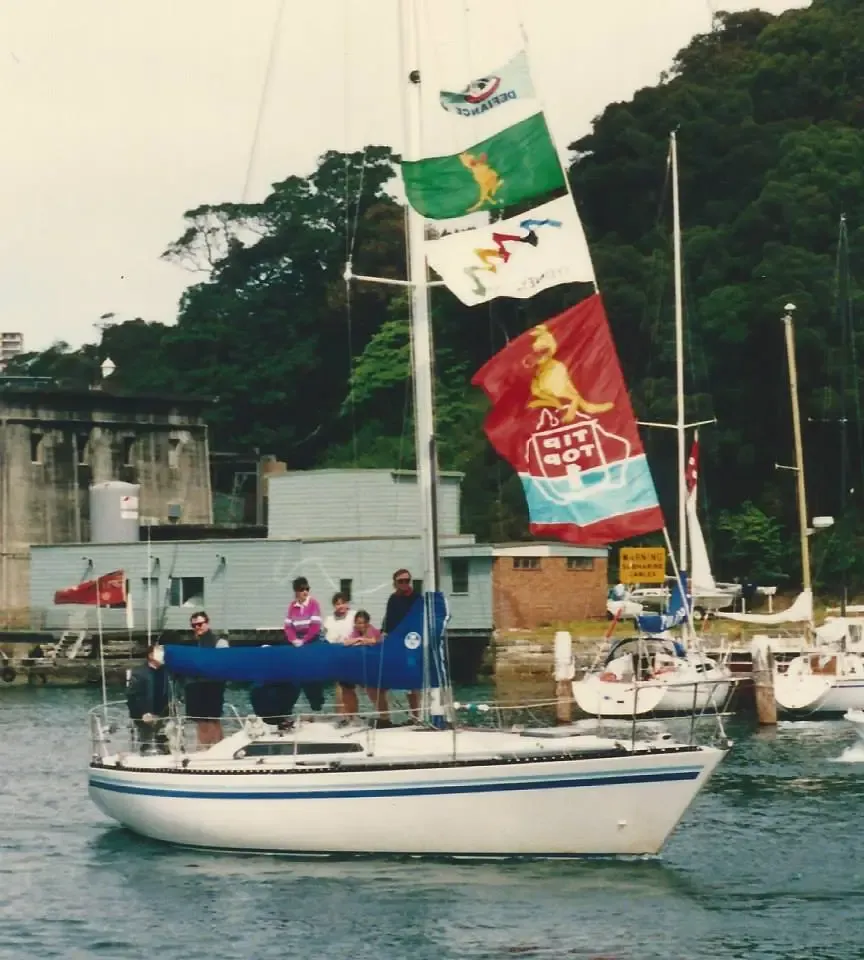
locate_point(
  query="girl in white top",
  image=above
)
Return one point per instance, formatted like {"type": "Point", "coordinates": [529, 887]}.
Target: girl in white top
{"type": "Point", "coordinates": [339, 624]}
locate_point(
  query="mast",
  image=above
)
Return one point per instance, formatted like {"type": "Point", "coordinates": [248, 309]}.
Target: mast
{"type": "Point", "coordinates": [846, 341]}
{"type": "Point", "coordinates": [421, 328]}
{"type": "Point", "coordinates": [680, 425]}
{"type": "Point", "coordinates": [799, 449]}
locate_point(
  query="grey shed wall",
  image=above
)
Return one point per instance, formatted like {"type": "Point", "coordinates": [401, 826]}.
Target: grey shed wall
{"type": "Point", "coordinates": [361, 503]}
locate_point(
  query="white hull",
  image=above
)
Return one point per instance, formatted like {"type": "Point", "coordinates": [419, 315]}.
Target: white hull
{"type": "Point", "coordinates": [511, 805]}
{"type": "Point", "coordinates": [616, 698]}
{"type": "Point", "coordinates": [808, 688]}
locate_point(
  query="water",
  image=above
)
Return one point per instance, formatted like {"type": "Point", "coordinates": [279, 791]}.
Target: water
{"type": "Point", "coordinates": [767, 865]}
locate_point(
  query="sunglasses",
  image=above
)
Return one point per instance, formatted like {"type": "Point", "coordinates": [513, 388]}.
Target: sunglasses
{"type": "Point", "coordinates": [403, 580]}
{"type": "Point", "coordinates": [198, 623]}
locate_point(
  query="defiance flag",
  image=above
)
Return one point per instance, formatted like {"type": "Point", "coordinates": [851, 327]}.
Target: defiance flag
{"type": "Point", "coordinates": [516, 164]}
{"type": "Point", "coordinates": [510, 82]}
{"type": "Point", "coordinates": [561, 416]}
{"type": "Point", "coordinates": [108, 590]}
{"type": "Point", "coordinates": [514, 258]}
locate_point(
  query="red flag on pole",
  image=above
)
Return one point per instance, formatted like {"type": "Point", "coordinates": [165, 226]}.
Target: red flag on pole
{"type": "Point", "coordinates": [108, 590]}
{"type": "Point", "coordinates": [691, 474]}
{"type": "Point", "coordinates": [561, 416]}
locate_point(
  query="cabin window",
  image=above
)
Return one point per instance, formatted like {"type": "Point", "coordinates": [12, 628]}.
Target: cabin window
{"type": "Point", "coordinates": [580, 563]}
{"type": "Point", "coordinates": [128, 451]}
{"type": "Point", "coordinates": [526, 563]}
{"type": "Point", "coordinates": [417, 586]}
{"type": "Point", "coordinates": [459, 575]}
{"type": "Point", "coordinates": [36, 446]}
{"type": "Point", "coordinates": [174, 453]}
{"type": "Point", "coordinates": [345, 588]}
{"type": "Point", "coordinates": [292, 747]}
{"type": "Point", "coordinates": [82, 442]}
{"type": "Point", "coordinates": [149, 588]}
{"type": "Point", "coordinates": [186, 592]}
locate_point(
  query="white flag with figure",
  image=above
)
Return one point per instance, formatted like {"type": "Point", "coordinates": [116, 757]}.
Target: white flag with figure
{"type": "Point", "coordinates": [517, 257]}
{"type": "Point", "coordinates": [511, 82]}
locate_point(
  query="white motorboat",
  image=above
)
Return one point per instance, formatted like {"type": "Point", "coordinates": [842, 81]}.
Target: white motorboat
{"type": "Point", "coordinates": [644, 676]}
{"type": "Point", "coordinates": [408, 790]}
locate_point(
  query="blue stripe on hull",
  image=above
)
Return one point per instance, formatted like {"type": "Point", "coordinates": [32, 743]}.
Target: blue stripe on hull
{"type": "Point", "coordinates": [611, 779]}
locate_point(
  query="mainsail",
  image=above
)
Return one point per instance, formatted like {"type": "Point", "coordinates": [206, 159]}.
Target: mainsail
{"type": "Point", "coordinates": [701, 578]}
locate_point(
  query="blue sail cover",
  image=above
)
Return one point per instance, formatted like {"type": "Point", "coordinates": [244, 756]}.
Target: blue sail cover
{"type": "Point", "coordinates": [674, 616]}
{"type": "Point", "coordinates": [394, 664]}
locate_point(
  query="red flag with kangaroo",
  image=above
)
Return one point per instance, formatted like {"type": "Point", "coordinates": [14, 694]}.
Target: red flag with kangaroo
{"type": "Point", "coordinates": [108, 590]}
{"type": "Point", "coordinates": [561, 416]}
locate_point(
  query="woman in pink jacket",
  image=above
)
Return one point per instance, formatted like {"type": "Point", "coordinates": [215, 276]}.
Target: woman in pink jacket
{"type": "Point", "coordinates": [303, 626]}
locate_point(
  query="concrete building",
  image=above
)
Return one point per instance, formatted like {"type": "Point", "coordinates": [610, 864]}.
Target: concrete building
{"type": "Point", "coordinates": [345, 530]}
{"type": "Point", "coordinates": [11, 344]}
{"type": "Point", "coordinates": [55, 443]}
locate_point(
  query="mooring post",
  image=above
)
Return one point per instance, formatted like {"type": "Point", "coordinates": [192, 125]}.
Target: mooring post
{"type": "Point", "coordinates": [565, 670]}
{"type": "Point", "coordinates": [763, 681]}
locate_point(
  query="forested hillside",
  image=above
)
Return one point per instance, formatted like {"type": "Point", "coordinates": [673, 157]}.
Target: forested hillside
{"type": "Point", "coordinates": [770, 120]}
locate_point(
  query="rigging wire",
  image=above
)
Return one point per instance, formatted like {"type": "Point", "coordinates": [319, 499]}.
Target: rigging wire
{"type": "Point", "coordinates": [262, 100]}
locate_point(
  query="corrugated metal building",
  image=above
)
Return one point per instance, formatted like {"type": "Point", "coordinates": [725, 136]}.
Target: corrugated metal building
{"type": "Point", "coordinates": [343, 529]}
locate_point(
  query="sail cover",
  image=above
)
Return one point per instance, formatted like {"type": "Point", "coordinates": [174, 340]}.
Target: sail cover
{"type": "Point", "coordinates": [801, 611]}
{"type": "Point", "coordinates": [674, 617]}
{"type": "Point", "coordinates": [394, 664]}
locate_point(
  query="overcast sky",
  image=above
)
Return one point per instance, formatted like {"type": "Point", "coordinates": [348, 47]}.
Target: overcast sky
{"type": "Point", "coordinates": [120, 115]}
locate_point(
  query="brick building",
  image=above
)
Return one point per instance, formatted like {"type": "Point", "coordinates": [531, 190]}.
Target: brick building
{"type": "Point", "coordinates": [542, 584]}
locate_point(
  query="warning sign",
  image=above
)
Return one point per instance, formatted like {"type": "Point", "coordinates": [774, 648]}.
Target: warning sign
{"type": "Point", "coordinates": [642, 564]}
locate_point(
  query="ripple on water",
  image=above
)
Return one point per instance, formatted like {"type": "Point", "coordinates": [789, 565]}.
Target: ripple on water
{"type": "Point", "coordinates": [764, 866]}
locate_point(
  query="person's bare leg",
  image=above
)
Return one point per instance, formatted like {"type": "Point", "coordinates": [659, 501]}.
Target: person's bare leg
{"type": "Point", "coordinates": [414, 703]}
{"type": "Point", "coordinates": [349, 701]}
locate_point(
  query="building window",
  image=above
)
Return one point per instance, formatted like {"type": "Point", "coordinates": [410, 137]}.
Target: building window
{"type": "Point", "coordinates": [82, 442]}
{"type": "Point", "coordinates": [150, 588]}
{"type": "Point", "coordinates": [417, 586]}
{"type": "Point", "coordinates": [580, 563]}
{"type": "Point", "coordinates": [345, 588]}
{"type": "Point", "coordinates": [186, 592]}
{"type": "Point", "coordinates": [526, 563]}
{"type": "Point", "coordinates": [36, 439]}
{"type": "Point", "coordinates": [128, 451]}
{"type": "Point", "coordinates": [459, 574]}
{"type": "Point", "coordinates": [174, 453]}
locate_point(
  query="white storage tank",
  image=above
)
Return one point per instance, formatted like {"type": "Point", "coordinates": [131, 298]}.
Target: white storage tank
{"type": "Point", "coordinates": [114, 511]}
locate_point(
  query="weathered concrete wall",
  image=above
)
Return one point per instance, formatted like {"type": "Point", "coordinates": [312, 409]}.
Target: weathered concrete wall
{"type": "Point", "coordinates": [55, 443]}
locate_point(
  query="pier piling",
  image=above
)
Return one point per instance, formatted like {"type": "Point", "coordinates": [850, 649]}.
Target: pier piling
{"type": "Point", "coordinates": [763, 681]}
{"type": "Point", "coordinates": [565, 670]}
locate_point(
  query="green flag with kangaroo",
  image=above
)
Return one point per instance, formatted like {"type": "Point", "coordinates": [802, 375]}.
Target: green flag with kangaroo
{"type": "Point", "coordinates": [516, 164]}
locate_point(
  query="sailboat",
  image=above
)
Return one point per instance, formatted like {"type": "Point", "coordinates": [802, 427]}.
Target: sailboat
{"type": "Point", "coordinates": [432, 786]}
{"type": "Point", "coordinates": [827, 678]}
{"type": "Point", "coordinates": [654, 674]}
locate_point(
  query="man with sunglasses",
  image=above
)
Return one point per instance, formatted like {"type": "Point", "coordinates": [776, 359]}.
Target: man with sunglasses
{"type": "Point", "coordinates": [398, 604]}
{"type": "Point", "coordinates": [205, 699]}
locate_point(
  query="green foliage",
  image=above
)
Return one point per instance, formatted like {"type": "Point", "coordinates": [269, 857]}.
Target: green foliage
{"type": "Point", "coordinates": [752, 543]}
{"type": "Point", "coordinates": [770, 119]}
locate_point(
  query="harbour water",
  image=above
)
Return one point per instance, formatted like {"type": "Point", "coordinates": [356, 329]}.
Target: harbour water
{"type": "Point", "coordinates": [767, 865]}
